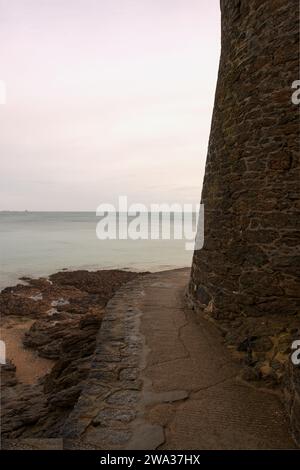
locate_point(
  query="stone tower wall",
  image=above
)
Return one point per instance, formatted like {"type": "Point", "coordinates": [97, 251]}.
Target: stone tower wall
{"type": "Point", "coordinates": [249, 266]}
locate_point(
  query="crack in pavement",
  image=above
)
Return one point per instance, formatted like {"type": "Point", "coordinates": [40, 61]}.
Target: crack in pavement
{"type": "Point", "coordinates": [150, 400]}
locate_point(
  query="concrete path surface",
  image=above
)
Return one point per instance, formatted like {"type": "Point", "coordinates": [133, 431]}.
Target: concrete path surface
{"type": "Point", "coordinates": [161, 378]}
{"type": "Point", "coordinates": [170, 383]}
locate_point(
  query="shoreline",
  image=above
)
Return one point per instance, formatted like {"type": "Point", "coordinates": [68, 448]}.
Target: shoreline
{"type": "Point", "coordinates": [50, 327]}
{"type": "Point", "coordinates": [14, 279]}
{"type": "Point", "coordinates": [30, 366]}
{"type": "Point", "coordinates": [36, 293]}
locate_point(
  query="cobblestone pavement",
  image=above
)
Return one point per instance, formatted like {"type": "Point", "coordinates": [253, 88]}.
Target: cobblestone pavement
{"type": "Point", "coordinates": [162, 379]}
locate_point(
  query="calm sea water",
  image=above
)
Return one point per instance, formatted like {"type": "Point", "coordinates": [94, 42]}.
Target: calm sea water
{"type": "Point", "coordinates": [40, 243]}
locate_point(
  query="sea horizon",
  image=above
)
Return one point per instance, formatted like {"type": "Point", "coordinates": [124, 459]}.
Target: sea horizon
{"type": "Point", "coordinates": [39, 243]}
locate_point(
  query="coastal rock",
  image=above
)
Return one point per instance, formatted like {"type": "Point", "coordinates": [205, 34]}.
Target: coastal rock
{"type": "Point", "coordinates": [21, 408]}
{"type": "Point", "coordinates": [103, 284]}
{"type": "Point", "coordinates": [68, 311]}
{"type": "Point", "coordinates": [8, 375]}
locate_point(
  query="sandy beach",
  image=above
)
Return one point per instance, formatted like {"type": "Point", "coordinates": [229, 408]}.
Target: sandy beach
{"type": "Point", "coordinates": [29, 366]}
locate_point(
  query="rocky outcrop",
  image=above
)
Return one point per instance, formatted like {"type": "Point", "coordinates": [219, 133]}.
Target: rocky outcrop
{"type": "Point", "coordinates": [68, 310]}
{"type": "Point", "coordinates": [246, 277]}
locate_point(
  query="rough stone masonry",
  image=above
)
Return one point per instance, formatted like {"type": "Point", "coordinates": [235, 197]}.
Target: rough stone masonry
{"type": "Point", "coordinates": [246, 277]}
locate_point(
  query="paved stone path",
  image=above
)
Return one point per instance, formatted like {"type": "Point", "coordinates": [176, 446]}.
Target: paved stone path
{"type": "Point", "coordinates": [162, 379]}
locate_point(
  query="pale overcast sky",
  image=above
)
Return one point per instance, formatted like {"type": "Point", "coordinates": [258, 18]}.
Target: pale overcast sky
{"type": "Point", "coordinates": [105, 97]}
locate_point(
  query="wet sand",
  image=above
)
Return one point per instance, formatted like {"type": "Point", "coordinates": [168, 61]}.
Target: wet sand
{"type": "Point", "coordinates": [30, 367]}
